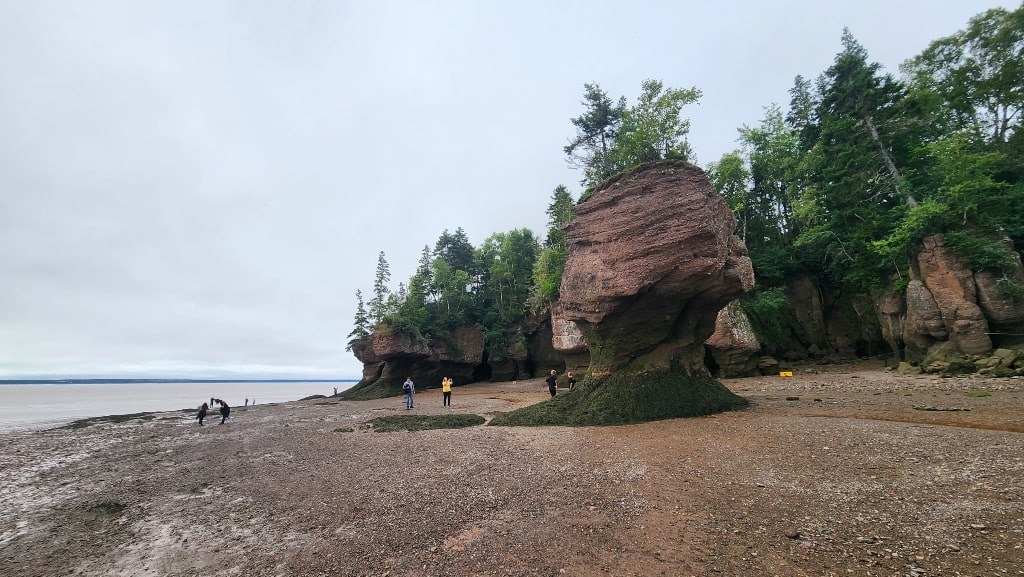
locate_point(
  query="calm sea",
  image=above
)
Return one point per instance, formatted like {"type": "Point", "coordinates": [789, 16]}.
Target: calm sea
{"type": "Point", "coordinates": [36, 406]}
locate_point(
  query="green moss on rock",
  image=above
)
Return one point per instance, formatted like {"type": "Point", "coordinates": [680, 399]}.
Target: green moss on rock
{"type": "Point", "coordinates": [624, 398]}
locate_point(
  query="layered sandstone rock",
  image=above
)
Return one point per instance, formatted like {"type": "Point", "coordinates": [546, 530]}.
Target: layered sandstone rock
{"type": "Point", "coordinates": [734, 346]}
{"type": "Point", "coordinates": [1004, 314]}
{"type": "Point", "coordinates": [653, 256]}
{"type": "Point", "coordinates": [568, 340]}
{"type": "Point", "coordinates": [388, 358]}
{"type": "Point", "coordinates": [951, 284]}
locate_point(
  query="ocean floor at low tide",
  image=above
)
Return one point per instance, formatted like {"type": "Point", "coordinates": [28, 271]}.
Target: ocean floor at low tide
{"type": "Point", "coordinates": [841, 470]}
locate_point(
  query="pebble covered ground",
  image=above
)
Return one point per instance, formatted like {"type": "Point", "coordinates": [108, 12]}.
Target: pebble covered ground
{"type": "Point", "coordinates": [840, 470]}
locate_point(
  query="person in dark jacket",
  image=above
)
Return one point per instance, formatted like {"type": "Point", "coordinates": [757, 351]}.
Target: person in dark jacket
{"type": "Point", "coordinates": [552, 382]}
{"type": "Point", "coordinates": [225, 410]}
{"type": "Point", "coordinates": [202, 412]}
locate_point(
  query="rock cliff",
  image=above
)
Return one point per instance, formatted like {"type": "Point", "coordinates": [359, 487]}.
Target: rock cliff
{"type": "Point", "coordinates": [389, 358]}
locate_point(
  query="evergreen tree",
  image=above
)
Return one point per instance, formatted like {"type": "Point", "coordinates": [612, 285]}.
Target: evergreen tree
{"type": "Point", "coordinates": [547, 271]}
{"type": "Point", "coordinates": [853, 191]}
{"type": "Point", "coordinates": [378, 304]}
{"type": "Point", "coordinates": [361, 323]}
{"type": "Point", "coordinates": [611, 139]}
{"type": "Point", "coordinates": [596, 129]}
{"type": "Point", "coordinates": [456, 250]}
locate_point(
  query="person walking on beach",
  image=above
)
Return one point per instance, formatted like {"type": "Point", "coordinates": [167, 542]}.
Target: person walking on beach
{"type": "Point", "coordinates": [410, 392]}
{"type": "Point", "coordinates": [572, 380]}
{"type": "Point", "coordinates": [446, 392]}
{"type": "Point", "coordinates": [225, 410]}
{"type": "Point", "coordinates": [552, 382]}
{"type": "Point", "coordinates": [202, 412]}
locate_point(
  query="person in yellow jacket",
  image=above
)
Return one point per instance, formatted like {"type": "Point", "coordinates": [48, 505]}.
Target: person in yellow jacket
{"type": "Point", "coordinates": [446, 391]}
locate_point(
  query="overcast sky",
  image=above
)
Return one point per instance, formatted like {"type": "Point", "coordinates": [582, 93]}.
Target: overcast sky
{"type": "Point", "coordinates": [198, 188]}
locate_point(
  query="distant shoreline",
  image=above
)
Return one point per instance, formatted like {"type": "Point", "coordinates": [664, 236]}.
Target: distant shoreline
{"type": "Point", "coordinates": [132, 381]}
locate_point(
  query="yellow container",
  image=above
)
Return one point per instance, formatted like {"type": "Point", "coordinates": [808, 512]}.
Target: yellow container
{"type": "Point", "coordinates": [785, 373]}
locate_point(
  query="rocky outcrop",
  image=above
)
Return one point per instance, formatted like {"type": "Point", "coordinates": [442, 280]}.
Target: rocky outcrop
{"type": "Point", "coordinates": [949, 318]}
{"type": "Point", "coordinates": [951, 285]}
{"type": "Point", "coordinates": [542, 354]}
{"type": "Point", "coordinates": [388, 358]}
{"type": "Point", "coordinates": [568, 341]}
{"type": "Point", "coordinates": [1005, 315]}
{"type": "Point", "coordinates": [653, 256]}
{"type": "Point", "coordinates": [809, 316]}
{"type": "Point", "coordinates": [734, 348]}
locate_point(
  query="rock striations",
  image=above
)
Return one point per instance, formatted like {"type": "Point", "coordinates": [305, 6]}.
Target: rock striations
{"type": "Point", "coordinates": [653, 256]}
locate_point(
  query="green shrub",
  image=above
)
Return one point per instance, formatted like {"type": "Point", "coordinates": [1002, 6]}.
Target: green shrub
{"type": "Point", "coordinates": [768, 311]}
{"type": "Point", "coordinates": [981, 254]}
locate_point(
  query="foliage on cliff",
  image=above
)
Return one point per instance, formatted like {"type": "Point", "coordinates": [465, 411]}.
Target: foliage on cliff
{"type": "Point", "coordinates": [842, 186]}
{"type": "Point", "coordinates": [456, 284]}
{"type": "Point", "coordinates": [863, 166]}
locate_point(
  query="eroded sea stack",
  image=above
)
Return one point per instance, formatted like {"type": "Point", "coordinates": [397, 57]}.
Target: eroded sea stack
{"type": "Point", "coordinates": [653, 256]}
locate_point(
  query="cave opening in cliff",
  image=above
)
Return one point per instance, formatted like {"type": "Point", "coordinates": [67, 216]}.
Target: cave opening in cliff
{"type": "Point", "coordinates": [482, 372]}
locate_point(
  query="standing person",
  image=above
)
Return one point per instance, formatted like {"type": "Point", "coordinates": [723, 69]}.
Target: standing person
{"type": "Point", "coordinates": [247, 402]}
{"type": "Point", "coordinates": [225, 410]}
{"type": "Point", "coordinates": [202, 412]}
{"type": "Point", "coordinates": [410, 392]}
{"type": "Point", "coordinates": [335, 391]}
{"type": "Point", "coordinates": [552, 381]}
{"type": "Point", "coordinates": [572, 380]}
{"type": "Point", "coordinates": [446, 392]}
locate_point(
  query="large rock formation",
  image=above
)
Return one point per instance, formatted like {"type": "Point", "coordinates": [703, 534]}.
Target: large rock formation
{"type": "Point", "coordinates": [389, 358]}
{"type": "Point", "coordinates": [951, 319]}
{"type": "Point", "coordinates": [653, 256]}
{"type": "Point", "coordinates": [954, 295]}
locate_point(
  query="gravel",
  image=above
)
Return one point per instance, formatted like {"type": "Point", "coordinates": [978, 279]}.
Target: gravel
{"type": "Point", "coordinates": [834, 471]}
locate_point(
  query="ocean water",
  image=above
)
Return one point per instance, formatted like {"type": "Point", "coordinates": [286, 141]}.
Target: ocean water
{"type": "Point", "coordinates": [38, 406]}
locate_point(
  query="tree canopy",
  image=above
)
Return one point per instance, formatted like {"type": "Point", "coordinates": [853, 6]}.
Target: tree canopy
{"type": "Point", "coordinates": [841, 186]}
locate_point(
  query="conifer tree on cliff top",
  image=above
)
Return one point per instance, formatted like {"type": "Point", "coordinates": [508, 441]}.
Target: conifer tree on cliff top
{"type": "Point", "coordinates": [611, 138]}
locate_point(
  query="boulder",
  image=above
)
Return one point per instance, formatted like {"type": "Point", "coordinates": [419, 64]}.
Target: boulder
{"type": "Point", "coordinates": [653, 256]}
{"type": "Point", "coordinates": [568, 341]}
{"type": "Point", "coordinates": [734, 346]}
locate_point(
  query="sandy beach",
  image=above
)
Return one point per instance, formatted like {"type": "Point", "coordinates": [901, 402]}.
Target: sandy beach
{"type": "Point", "coordinates": [839, 470]}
